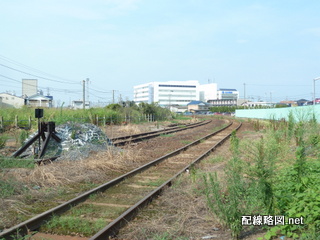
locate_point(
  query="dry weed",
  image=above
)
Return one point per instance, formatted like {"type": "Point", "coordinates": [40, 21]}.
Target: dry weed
{"type": "Point", "coordinates": [64, 172]}
{"type": "Point", "coordinates": [49, 175]}
{"type": "Point", "coordinates": [194, 120]}
{"type": "Point", "coordinates": [175, 213]}
{"type": "Point", "coordinates": [114, 160]}
{"type": "Point", "coordinates": [130, 129]}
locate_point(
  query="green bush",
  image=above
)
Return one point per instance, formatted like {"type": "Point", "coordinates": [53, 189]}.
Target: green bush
{"type": "Point", "coordinates": [113, 113]}
{"type": "Point", "coordinates": [298, 196]}
{"type": "Point", "coordinates": [3, 140]}
{"type": "Point", "coordinates": [229, 203]}
{"type": "Point", "coordinates": [259, 182]}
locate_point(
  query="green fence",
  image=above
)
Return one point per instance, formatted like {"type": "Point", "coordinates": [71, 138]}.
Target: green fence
{"type": "Point", "coordinates": [301, 113]}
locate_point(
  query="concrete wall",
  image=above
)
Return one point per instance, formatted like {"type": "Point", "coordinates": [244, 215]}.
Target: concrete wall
{"type": "Point", "coordinates": [11, 100]}
{"type": "Point", "coordinates": [300, 113]}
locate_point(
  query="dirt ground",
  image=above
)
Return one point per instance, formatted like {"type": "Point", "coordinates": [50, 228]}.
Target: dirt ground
{"type": "Point", "coordinates": [180, 209]}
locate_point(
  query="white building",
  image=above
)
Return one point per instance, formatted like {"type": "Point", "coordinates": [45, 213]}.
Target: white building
{"type": "Point", "coordinates": [78, 104]}
{"type": "Point", "coordinates": [227, 93]}
{"type": "Point", "coordinates": [9, 100]}
{"type": "Point", "coordinates": [170, 93]}
{"type": "Point", "coordinates": [256, 104]}
{"type": "Point", "coordinates": [29, 87]}
{"type": "Point", "coordinates": [225, 97]}
{"type": "Point", "coordinates": [208, 92]}
{"type": "Point", "coordinates": [180, 93]}
{"type": "Point", "coordinates": [38, 100]}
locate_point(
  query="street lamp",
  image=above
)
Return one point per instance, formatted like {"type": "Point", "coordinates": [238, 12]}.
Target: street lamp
{"type": "Point", "coordinates": [314, 89]}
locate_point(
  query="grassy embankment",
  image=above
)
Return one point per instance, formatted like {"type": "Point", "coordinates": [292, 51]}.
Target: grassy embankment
{"type": "Point", "coordinates": [276, 175]}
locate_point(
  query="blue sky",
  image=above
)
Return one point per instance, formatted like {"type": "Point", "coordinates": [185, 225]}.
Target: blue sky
{"type": "Point", "coordinates": [271, 46]}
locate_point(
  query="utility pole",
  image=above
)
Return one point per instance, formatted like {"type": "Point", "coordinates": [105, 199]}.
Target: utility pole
{"type": "Point", "coordinates": [120, 99]}
{"type": "Point", "coordinates": [113, 96]}
{"type": "Point", "coordinates": [87, 89]}
{"type": "Point", "coordinates": [244, 85]}
{"type": "Point", "coordinates": [84, 93]}
{"type": "Point", "coordinates": [314, 89]}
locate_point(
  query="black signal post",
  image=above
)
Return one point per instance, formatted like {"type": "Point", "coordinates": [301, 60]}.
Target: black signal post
{"type": "Point", "coordinates": [46, 130]}
{"type": "Point", "coordinates": [38, 113]}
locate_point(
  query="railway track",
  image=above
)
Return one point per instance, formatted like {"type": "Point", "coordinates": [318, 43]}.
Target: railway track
{"type": "Point", "coordinates": [115, 203]}
{"type": "Point", "coordinates": [120, 141]}
{"type": "Point", "coordinates": [128, 139]}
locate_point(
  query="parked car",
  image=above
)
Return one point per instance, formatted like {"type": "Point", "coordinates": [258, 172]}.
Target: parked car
{"type": "Point", "coordinates": [187, 113]}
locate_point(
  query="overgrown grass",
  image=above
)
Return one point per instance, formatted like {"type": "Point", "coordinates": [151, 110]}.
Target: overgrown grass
{"type": "Point", "coordinates": [3, 140]}
{"type": "Point", "coordinates": [154, 183]}
{"type": "Point", "coordinates": [167, 135]}
{"type": "Point", "coordinates": [186, 142]}
{"type": "Point", "coordinates": [68, 225]}
{"type": "Point", "coordinates": [16, 163]}
{"type": "Point", "coordinates": [275, 175]}
{"type": "Point", "coordinates": [10, 187]}
{"type": "Point", "coordinates": [215, 159]}
{"type": "Point", "coordinates": [112, 114]}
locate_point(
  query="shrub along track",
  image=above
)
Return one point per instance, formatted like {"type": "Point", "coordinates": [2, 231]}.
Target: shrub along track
{"type": "Point", "coordinates": [124, 193]}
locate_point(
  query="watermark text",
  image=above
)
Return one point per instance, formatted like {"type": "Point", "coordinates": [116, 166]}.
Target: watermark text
{"type": "Point", "coordinates": [270, 220]}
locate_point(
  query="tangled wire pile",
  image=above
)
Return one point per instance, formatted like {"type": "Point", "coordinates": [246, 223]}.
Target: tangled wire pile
{"type": "Point", "coordinates": [77, 141]}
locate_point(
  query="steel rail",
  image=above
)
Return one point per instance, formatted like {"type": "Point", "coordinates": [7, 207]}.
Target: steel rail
{"type": "Point", "coordinates": [35, 222]}
{"type": "Point", "coordinates": [113, 228]}
{"type": "Point", "coordinates": [142, 136]}
{"type": "Point", "coordinates": [156, 131]}
{"type": "Point", "coordinates": [138, 137]}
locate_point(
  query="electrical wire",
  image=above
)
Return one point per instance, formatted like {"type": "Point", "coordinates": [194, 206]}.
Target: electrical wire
{"type": "Point", "coordinates": [54, 89]}
{"type": "Point", "coordinates": [34, 69]}
{"type": "Point", "coordinates": [33, 75]}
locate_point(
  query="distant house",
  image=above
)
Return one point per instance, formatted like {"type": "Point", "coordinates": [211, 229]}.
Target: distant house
{"type": "Point", "coordinates": [257, 104]}
{"type": "Point", "coordinates": [287, 103]}
{"type": "Point", "coordinates": [38, 100]}
{"type": "Point", "coordinates": [302, 102]}
{"type": "Point", "coordinates": [198, 107]}
{"type": "Point", "coordinates": [78, 104]}
{"type": "Point", "coordinates": [8, 100]}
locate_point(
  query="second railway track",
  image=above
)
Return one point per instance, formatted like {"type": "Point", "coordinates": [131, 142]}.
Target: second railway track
{"type": "Point", "coordinates": [119, 141]}
{"type": "Point", "coordinates": [113, 204]}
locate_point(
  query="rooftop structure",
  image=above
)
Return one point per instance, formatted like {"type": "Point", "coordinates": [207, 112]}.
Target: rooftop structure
{"type": "Point", "coordinates": [29, 87]}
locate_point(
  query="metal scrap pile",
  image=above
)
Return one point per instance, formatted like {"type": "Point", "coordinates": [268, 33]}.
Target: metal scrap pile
{"type": "Point", "coordinates": [77, 141]}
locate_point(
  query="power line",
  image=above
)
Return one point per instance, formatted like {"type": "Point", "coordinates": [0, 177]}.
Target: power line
{"type": "Point", "coordinates": [14, 69]}
{"type": "Point", "coordinates": [54, 89]}
{"type": "Point", "coordinates": [96, 90]}
{"type": "Point", "coordinates": [11, 79]}
{"type": "Point", "coordinates": [104, 97]}
{"type": "Point", "coordinates": [31, 68]}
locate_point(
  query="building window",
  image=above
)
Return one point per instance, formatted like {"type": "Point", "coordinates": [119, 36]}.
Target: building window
{"type": "Point", "coordinates": [185, 86]}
